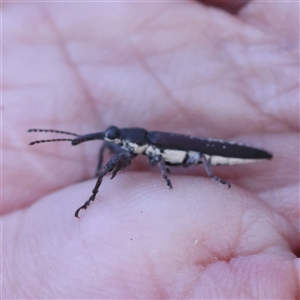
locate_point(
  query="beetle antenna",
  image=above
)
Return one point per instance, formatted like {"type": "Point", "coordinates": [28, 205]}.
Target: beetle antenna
{"type": "Point", "coordinates": [52, 130]}
{"type": "Point", "coordinates": [46, 141]}
{"type": "Point", "coordinates": [52, 140]}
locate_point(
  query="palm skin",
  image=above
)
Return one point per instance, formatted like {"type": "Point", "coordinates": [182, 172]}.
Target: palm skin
{"type": "Point", "coordinates": [176, 67]}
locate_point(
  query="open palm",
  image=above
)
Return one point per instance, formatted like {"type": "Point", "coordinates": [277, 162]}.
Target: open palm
{"type": "Point", "coordinates": [178, 67]}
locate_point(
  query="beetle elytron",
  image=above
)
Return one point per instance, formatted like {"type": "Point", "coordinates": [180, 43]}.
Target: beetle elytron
{"type": "Point", "coordinates": [162, 148]}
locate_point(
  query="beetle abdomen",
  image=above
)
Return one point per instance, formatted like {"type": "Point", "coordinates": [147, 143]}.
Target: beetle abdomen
{"type": "Point", "coordinates": [212, 147]}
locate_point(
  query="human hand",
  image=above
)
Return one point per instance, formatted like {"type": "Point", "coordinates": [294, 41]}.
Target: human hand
{"type": "Point", "coordinates": [176, 67]}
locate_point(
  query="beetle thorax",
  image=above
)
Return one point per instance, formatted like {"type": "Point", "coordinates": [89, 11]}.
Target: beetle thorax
{"type": "Point", "coordinates": [135, 148]}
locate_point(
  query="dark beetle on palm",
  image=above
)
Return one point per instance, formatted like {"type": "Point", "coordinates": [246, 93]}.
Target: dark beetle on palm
{"type": "Point", "coordinates": [162, 148]}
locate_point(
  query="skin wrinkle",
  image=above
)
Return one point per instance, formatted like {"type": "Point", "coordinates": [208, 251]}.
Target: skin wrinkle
{"type": "Point", "coordinates": [149, 19]}
{"type": "Point", "coordinates": [68, 62]}
{"type": "Point", "coordinates": [72, 67]}
{"type": "Point", "coordinates": [165, 90]}
{"type": "Point", "coordinates": [285, 91]}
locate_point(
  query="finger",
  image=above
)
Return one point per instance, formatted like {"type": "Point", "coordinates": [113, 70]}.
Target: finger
{"type": "Point", "coordinates": [138, 233]}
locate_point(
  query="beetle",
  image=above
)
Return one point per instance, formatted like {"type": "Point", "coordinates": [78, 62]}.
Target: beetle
{"type": "Point", "coordinates": [162, 149]}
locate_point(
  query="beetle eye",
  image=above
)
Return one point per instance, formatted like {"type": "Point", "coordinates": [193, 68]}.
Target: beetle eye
{"type": "Point", "coordinates": [112, 133]}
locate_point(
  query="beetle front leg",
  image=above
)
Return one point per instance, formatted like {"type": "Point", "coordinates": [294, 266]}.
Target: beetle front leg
{"type": "Point", "coordinates": [158, 160]}
{"type": "Point", "coordinates": [209, 171]}
{"type": "Point", "coordinates": [114, 165]}
{"type": "Point", "coordinates": [113, 149]}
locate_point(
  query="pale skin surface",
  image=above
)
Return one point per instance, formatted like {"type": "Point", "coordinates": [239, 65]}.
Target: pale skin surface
{"type": "Point", "coordinates": [172, 67]}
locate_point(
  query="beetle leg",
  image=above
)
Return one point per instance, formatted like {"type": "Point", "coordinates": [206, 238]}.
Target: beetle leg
{"type": "Point", "coordinates": [114, 165]}
{"type": "Point", "coordinates": [191, 159]}
{"type": "Point", "coordinates": [158, 160]}
{"type": "Point", "coordinates": [113, 149]}
{"type": "Point", "coordinates": [209, 171]}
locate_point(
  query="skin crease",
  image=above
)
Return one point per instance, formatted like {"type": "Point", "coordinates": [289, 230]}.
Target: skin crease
{"type": "Point", "coordinates": [180, 67]}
